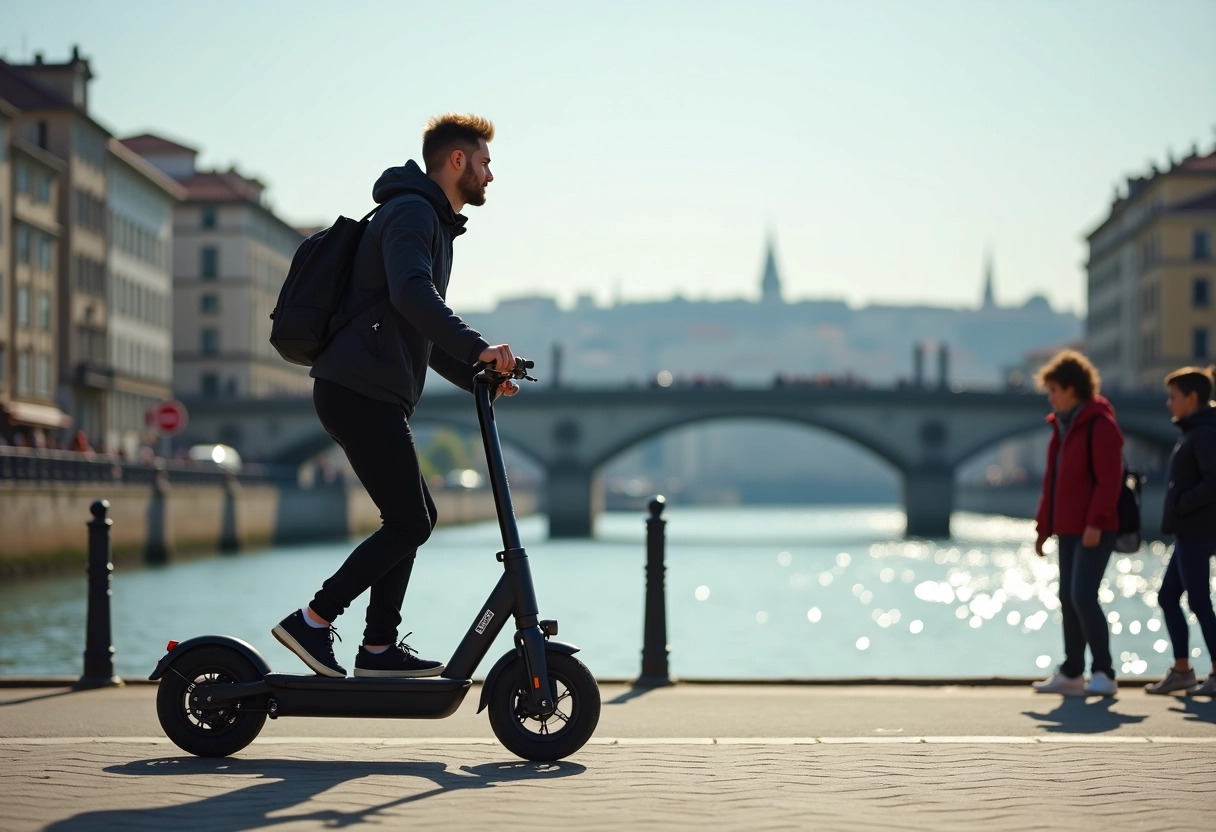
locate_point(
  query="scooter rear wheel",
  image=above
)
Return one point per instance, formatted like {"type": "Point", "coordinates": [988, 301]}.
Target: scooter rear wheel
{"type": "Point", "coordinates": [207, 732]}
{"type": "Point", "coordinates": [566, 730]}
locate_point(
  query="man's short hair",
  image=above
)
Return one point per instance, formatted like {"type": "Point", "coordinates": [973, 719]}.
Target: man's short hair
{"type": "Point", "coordinates": [1069, 368]}
{"type": "Point", "coordinates": [453, 131]}
{"type": "Point", "coordinates": [1190, 380]}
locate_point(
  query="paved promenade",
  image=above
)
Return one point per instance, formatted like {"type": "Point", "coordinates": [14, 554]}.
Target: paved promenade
{"type": "Point", "coordinates": [693, 756]}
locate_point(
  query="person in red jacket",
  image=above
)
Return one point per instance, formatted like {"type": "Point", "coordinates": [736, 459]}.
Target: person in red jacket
{"type": "Point", "coordinates": [1079, 506]}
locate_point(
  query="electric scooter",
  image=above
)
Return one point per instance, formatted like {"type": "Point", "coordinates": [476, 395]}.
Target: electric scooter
{"type": "Point", "coordinates": [216, 691]}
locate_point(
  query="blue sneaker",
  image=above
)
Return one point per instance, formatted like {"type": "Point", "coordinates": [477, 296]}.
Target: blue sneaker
{"type": "Point", "coordinates": [398, 662]}
{"type": "Point", "coordinates": [314, 645]}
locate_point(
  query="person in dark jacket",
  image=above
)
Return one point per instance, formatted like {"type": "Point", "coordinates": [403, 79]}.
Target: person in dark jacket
{"type": "Point", "coordinates": [370, 376]}
{"type": "Point", "coordinates": [1190, 515]}
{"type": "Point", "coordinates": [1079, 505]}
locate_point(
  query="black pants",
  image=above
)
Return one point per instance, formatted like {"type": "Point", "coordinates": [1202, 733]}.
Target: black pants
{"type": "Point", "coordinates": [1189, 571]}
{"type": "Point", "coordinates": [1081, 572]}
{"type": "Point", "coordinates": [377, 440]}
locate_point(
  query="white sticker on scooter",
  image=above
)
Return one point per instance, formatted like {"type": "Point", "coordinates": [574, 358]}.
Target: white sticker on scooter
{"type": "Point", "coordinates": [485, 622]}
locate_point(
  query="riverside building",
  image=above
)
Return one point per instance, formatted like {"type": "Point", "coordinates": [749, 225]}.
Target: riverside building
{"type": "Point", "coordinates": [1152, 276]}
{"type": "Point", "coordinates": [231, 253]}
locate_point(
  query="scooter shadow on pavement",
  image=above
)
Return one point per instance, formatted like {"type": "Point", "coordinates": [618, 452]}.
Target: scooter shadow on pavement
{"type": "Point", "coordinates": [1080, 715]}
{"type": "Point", "coordinates": [285, 784]}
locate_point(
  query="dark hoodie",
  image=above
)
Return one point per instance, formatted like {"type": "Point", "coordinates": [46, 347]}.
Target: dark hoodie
{"type": "Point", "coordinates": [384, 351]}
{"type": "Point", "coordinates": [1190, 495]}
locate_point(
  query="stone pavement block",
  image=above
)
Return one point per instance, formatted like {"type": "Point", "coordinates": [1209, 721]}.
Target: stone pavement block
{"type": "Point", "coordinates": [135, 786]}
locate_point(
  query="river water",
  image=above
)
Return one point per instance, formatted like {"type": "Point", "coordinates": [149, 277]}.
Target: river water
{"type": "Point", "coordinates": [751, 593]}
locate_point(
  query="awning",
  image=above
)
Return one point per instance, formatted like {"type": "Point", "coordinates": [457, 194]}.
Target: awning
{"type": "Point", "coordinates": [36, 415]}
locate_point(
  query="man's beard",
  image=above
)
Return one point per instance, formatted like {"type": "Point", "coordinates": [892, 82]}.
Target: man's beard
{"type": "Point", "coordinates": [473, 193]}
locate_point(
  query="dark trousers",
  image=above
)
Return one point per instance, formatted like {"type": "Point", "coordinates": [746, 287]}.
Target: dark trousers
{"type": "Point", "coordinates": [1189, 571]}
{"type": "Point", "coordinates": [377, 440]}
{"type": "Point", "coordinates": [1081, 571]}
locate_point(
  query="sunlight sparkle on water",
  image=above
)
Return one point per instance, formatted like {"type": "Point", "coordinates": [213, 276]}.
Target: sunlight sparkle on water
{"type": "Point", "coordinates": [702, 593]}
{"type": "Point", "coordinates": [784, 559]}
{"type": "Point", "coordinates": [762, 617]}
{"type": "Point", "coordinates": [1153, 625]}
{"type": "Point", "coordinates": [1043, 661]}
{"type": "Point", "coordinates": [863, 643]}
{"type": "Point", "coordinates": [916, 627]}
{"type": "Point", "coordinates": [1161, 645]}
{"type": "Point", "coordinates": [814, 615]}
{"type": "Point", "coordinates": [843, 559]}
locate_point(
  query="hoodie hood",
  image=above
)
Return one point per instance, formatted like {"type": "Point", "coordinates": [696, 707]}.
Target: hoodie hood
{"type": "Point", "coordinates": [1096, 407]}
{"type": "Point", "coordinates": [1205, 415]}
{"type": "Point", "coordinates": [410, 179]}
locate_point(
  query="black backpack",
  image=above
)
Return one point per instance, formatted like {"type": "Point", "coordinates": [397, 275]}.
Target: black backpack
{"type": "Point", "coordinates": [306, 317]}
{"type": "Point", "coordinates": [1128, 539]}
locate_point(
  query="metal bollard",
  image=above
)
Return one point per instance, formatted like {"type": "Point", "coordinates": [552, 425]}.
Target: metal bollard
{"type": "Point", "coordinates": [98, 651]}
{"type": "Point", "coordinates": [654, 636]}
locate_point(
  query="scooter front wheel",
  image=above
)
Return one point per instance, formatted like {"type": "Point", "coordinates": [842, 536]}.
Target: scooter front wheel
{"type": "Point", "coordinates": [204, 731]}
{"type": "Point", "coordinates": [577, 699]}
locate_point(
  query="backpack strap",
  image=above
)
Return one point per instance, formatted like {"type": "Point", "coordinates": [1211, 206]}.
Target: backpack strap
{"type": "Point", "coordinates": [1090, 452]}
{"type": "Point", "coordinates": [367, 304]}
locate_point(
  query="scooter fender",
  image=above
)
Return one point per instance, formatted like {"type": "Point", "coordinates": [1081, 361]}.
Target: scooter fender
{"type": "Point", "coordinates": [492, 676]}
{"type": "Point", "coordinates": [243, 647]}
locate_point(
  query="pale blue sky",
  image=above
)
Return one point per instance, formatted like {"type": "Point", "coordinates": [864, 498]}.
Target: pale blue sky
{"type": "Point", "coordinates": [644, 148]}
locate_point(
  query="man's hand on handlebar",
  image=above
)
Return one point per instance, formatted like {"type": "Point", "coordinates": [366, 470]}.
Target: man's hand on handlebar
{"type": "Point", "coordinates": [501, 360]}
{"type": "Point", "coordinates": [500, 357]}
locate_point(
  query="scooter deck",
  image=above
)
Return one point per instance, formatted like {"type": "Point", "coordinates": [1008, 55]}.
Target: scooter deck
{"type": "Point", "coordinates": [429, 698]}
{"type": "Point", "coordinates": [428, 684]}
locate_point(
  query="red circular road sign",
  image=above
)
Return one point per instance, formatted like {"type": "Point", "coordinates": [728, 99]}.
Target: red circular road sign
{"type": "Point", "coordinates": [168, 417]}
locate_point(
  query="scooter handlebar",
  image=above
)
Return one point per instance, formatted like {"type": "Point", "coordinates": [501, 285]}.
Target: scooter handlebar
{"type": "Point", "coordinates": [491, 376]}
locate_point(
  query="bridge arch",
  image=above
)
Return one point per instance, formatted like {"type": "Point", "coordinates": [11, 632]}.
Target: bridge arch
{"type": "Point", "coordinates": [658, 428]}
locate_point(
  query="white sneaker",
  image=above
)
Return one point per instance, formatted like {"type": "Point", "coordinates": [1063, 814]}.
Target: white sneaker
{"type": "Point", "coordinates": [1059, 683]}
{"type": "Point", "coordinates": [1101, 685]}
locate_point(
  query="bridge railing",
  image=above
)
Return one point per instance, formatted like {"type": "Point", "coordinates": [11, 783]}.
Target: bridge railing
{"type": "Point", "coordinates": [31, 465]}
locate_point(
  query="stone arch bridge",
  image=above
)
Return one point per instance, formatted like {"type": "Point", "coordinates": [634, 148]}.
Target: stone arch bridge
{"type": "Point", "coordinates": [570, 432]}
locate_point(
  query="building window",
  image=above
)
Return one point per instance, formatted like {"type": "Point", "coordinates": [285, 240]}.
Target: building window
{"type": "Point", "coordinates": [1199, 343]}
{"type": "Point", "coordinates": [44, 376]}
{"type": "Point", "coordinates": [23, 306]}
{"type": "Point", "coordinates": [42, 188]}
{"type": "Point", "coordinates": [210, 384]}
{"type": "Point", "coordinates": [23, 179]}
{"type": "Point", "coordinates": [23, 373]}
{"type": "Point", "coordinates": [209, 341]}
{"type": "Point", "coordinates": [1201, 295]}
{"type": "Point", "coordinates": [23, 244]}
{"type": "Point", "coordinates": [209, 216]}
{"type": "Point", "coordinates": [44, 253]}
{"type": "Point", "coordinates": [209, 304]}
{"type": "Point", "coordinates": [209, 266]}
{"type": "Point", "coordinates": [44, 311]}
{"type": "Point", "coordinates": [1201, 244]}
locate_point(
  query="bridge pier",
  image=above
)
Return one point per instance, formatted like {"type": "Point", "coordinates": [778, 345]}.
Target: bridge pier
{"type": "Point", "coordinates": [572, 499]}
{"type": "Point", "coordinates": [928, 494]}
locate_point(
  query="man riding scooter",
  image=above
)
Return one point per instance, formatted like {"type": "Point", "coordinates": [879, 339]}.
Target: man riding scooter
{"type": "Point", "coordinates": [369, 379]}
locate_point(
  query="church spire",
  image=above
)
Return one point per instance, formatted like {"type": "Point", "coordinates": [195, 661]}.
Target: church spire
{"type": "Point", "coordinates": [770, 283]}
{"type": "Point", "coordinates": [989, 288]}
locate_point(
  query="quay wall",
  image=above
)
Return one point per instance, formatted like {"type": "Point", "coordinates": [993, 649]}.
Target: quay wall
{"type": "Point", "coordinates": [43, 526]}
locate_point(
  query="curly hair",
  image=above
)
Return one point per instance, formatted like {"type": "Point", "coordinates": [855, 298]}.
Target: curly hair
{"type": "Point", "coordinates": [453, 131]}
{"type": "Point", "coordinates": [1069, 368]}
{"type": "Point", "coordinates": [1196, 380]}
